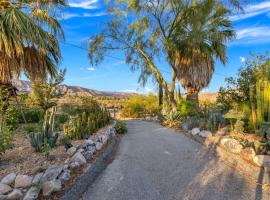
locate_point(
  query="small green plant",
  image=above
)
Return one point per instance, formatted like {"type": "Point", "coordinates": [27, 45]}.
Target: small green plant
{"type": "Point", "coordinates": [120, 127]}
{"type": "Point", "coordinates": [45, 148]}
{"type": "Point", "coordinates": [30, 128]}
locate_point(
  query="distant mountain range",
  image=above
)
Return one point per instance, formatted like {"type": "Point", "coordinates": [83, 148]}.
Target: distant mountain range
{"type": "Point", "coordinates": [25, 87]}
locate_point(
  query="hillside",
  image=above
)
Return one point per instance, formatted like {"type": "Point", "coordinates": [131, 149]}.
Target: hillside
{"type": "Point", "coordinates": [25, 87]}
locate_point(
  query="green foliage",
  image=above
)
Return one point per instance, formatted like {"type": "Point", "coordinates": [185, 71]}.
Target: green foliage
{"type": "Point", "coordinates": [171, 118]}
{"type": "Point", "coordinates": [47, 135]}
{"type": "Point", "coordinates": [45, 92]}
{"type": "Point", "coordinates": [187, 108]}
{"type": "Point", "coordinates": [45, 148]}
{"type": "Point", "coordinates": [85, 118]}
{"type": "Point", "coordinates": [120, 127]}
{"type": "Point", "coordinates": [31, 128]}
{"type": "Point", "coordinates": [65, 140]}
{"type": "Point", "coordinates": [141, 106]}
{"type": "Point", "coordinates": [250, 92]}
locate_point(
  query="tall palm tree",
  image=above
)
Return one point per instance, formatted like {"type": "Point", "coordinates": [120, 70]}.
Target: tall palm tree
{"type": "Point", "coordinates": [200, 41]}
{"type": "Point", "coordinates": [29, 35]}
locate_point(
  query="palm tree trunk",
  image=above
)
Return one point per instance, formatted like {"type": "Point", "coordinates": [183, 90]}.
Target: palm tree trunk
{"type": "Point", "coordinates": [192, 95]}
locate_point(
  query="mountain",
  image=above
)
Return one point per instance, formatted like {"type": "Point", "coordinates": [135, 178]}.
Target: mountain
{"type": "Point", "coordinates": [25, 87]}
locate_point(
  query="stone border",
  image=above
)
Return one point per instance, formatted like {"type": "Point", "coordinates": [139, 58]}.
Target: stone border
{"type": "Point", "coordinates": [245, 160]}
{"type": "Point", "coordinates": [18, 186]}
{"type": "Point", "coordinates": [86, 179]}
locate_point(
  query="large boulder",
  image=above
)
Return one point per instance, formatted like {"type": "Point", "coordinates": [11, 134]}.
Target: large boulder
{"type": "Point", "coordinates": [16, 194]}
{"type": "Point", "coordinates": [231, 144]}
{"type": "Point", "coordinates": [195, 131]}
{"type": "Point", "coordinates": [205, 134]}
{"type": "Point", "coordinates": [78, 157]}
{"type": "Point", "coordinates": [262, 160]}
{"type": "Point", "coordinates": [71, 151]}
{"type": "Point", "coordinates": [52, 172]}
{"type": "Point", "coordinates": [9, 179]}
{"type": "Point", "coordinates": [32, 194]}
{"type": "Point", "coordinates": [48, 187]}
{"type": "Point", "coordinates": [4, 189]}
{"type": "Point", "coordinates": [23, 181]}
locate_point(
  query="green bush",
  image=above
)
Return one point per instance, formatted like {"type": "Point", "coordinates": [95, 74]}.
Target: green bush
{"type": "Point", "coordinates": [141, 106]}
{"type": "Point", "coordinates": [120, 127]}
{"type": "Point", "coordinates": [31, 128]}
{"type": "Point", "coordinates": [187, 108]}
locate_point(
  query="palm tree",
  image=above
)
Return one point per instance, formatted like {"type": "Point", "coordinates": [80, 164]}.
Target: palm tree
{"type": "Point", "coordinates": [28, 39]}
{"type": "Point", "coordinates": [199, 42]}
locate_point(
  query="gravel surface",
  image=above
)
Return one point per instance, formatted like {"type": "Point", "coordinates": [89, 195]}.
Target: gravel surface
{"type": "Point", "coordinates": [155, 163]}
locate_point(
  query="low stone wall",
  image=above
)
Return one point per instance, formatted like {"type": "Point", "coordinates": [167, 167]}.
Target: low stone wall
{"type": "Point", "coordinates": [230, 150]}
{"type": "Point", "coordinates": [20, 186]}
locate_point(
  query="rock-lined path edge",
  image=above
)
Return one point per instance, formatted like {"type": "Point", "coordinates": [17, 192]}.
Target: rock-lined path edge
{"type": "Point", "coordinates": [86, 179]}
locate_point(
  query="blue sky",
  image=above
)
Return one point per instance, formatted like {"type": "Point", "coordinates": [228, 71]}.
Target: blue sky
{"type": "Point", "coordinates": [83, 18]}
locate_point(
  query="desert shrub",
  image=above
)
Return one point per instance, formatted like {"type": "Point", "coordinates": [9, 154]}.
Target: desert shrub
{"type": "Point", "coordinates": [141, 106]}
{"type": "Point", "coordinates": [31, 128]}
{"type": "Point", "coordinates": [187, 108]}
{"type": "Point", "coordinates": [85, 119]}
{"type": "Point", "coordinates": [120, 127]}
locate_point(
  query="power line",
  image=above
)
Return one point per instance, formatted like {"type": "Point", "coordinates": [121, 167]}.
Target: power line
{"type": "Point", "coordinates": [121, 59]}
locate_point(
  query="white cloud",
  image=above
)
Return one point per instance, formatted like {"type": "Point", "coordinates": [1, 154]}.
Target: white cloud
{"type": "Point", "coordinates": [91, 69]}
{"type": "Point", "coordinates": [252, 10]}
{"type": "Point", "coordinates": [243, 59]}
{"type": "Point", "coordinates": [68, 15]}
{"type": "Point", "coordinates": [253, 32]}
{"type": "Point", "coordinates": [85, 4]}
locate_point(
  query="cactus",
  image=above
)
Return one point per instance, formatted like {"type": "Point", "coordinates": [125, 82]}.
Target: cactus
{"type": "Point", "coordinates": [46, 135]}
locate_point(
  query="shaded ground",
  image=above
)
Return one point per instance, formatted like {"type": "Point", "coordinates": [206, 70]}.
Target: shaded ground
{"type": "Point", "coordinates": [155, 163]}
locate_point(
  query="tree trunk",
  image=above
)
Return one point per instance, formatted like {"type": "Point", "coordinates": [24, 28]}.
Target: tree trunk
{"type": "Point", "coordinates": [159, 77]}
{"type": "Point", "coordinates": [160, 95]}
{"type": "Point", "coordinates": [192, 95]}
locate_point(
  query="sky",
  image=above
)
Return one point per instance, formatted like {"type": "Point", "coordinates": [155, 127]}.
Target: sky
{"type": "Point", "coordinates": [84, 18]}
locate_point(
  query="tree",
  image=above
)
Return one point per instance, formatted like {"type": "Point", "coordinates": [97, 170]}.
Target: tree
{"type": "Point", "coordinates": [199, 42]}
{"type": "Point", "coordinates": [28, 39]}
{"type": "Point", "coordinates": [46, 92]}
{"type": "Point", "coordinates": [148, 30]}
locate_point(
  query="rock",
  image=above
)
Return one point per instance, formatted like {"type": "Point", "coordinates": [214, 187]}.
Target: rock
{"type": "Point", "coordinates": [262, 160]}
{"type": "Point", "coordinates": [65, 176]}
{"type": "Point", "coordinates": [80, 150]}
{"type": "Point", "coordinates": [37, 178]}
{"type": "Point", "coordinates": [248, 153]}
{"type": "Point", "coordinates": [74, 165]}
{"type": "Point", "coordinates": [195, 131]}
{"type": "Point", "coordinates": [32, 194]}
{"type": "Point", "coordinates": [3, 197]}
{"type": "Point", "coordinates": [4, 189]}
{"type": "Point", "coordinates": [51, 157]}
{"type": "Point", "coordinates": [87, 154]}
{"type": "Point", "coordinates": [89, 141]}
{"type": "Point", "coordinates": [205, 134]}
{"type": "Point", "coordinates": [92, 149]}
{"type": "Point", "coordinates": [52, 172]}
{"type": "Point", "coordinates": [48, 187]}
{"type": "Point", "coordinates": [103, 139]}
{"type": "Point", "coordinates": [78, 157]}
{"type": "Point", "coordinates": [98, 145]}
{"type": "Point", "coordinates": [185, 127]}
{"type": "Point", "coordinates": [65, 166]}
{"type": "Point", "coordinates": [16, 194]}
{"type": "Point", "coordinates": [223, 131]}
{"type": "Point", "coordinates": [71, 151]}
{"type": "Point", "coordinates": [9, 179]}
{"type": "Point", "coordinates": [23, 181]}
{"type": "Point", "coordinates": [231, 144]}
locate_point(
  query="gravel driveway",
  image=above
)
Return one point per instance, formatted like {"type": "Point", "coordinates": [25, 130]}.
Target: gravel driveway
{"type": "Point", "coordinates": [155, 163]}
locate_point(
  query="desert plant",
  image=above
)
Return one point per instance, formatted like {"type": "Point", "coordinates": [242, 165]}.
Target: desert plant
{"type": "Point", "coordinates": [47, 134]}
{"type": "Point", "coordinates": [120, 127]}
